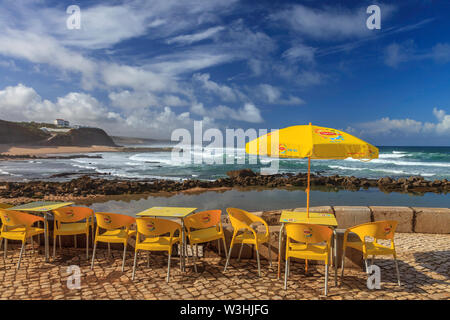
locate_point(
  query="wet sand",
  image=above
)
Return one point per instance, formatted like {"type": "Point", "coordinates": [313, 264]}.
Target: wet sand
{"type": "Point", "coordinates": [31, 151]}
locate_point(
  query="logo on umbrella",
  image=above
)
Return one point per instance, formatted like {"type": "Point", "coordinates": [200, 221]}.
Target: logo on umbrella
{"type": "Point", "coordinates": [282, 149]}
{"type": "Point", "coordinates": [6, 218]}
{"type": "Point", "coordinates": [331, 134]}
{"type": "Point", "coordinates": [107, 219]}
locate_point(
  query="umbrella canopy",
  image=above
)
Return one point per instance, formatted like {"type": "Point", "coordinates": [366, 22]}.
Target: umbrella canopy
{"type": "Point", "coordinates": [312, 142]}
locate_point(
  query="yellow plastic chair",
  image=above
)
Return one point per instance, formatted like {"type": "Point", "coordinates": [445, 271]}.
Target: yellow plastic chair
{"type": "Point", "coordinates": [159, 235]}
{"type": "Point", "coordinates": [204, 227]}
{"type": "Point", "coordinates": [67, 223]}
{"type": "Point", "coordinates": [379, 230]}
{"type": "Point", "coordinates": [242, 220]}
{"type": "Point", "coordinates": [18, 226]}
{"type": "Point", "coordinates": [307, 245]}
{"type": "Point", "coordinates": [118, 230]}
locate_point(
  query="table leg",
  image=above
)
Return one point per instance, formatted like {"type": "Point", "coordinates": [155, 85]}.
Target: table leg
{"type": "Point", "coordinates": [182, 251]}
{"type": "Point", "coordinates": [335, 256]}
{"type": "Point", "coordinates": [279, 250]}
{"type": "Point", "coordinates": [46, 237]}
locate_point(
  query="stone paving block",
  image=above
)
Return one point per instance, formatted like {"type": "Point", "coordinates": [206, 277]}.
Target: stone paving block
{"type": "Point", "coordinates": [403, 215]}
{"type": "Point", "coordinates": [432, 220]}
{"type": "Point", "coordinates": [349, 216]}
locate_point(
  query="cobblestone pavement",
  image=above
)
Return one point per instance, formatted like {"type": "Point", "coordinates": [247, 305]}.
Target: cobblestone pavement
{"type": "Point", "coordinates": [424, 261]}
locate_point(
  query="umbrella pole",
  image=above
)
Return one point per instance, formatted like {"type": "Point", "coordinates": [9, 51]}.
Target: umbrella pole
{"type": "Point", "coordinates": [308, 187]}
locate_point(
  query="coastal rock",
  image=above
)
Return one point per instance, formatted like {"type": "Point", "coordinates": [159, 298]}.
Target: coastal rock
{"type": "Point", "coordinates": [241, 173]}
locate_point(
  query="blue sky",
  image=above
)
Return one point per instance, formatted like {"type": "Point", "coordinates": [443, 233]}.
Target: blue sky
{"type": "Point", "coordinates": [145, 68]}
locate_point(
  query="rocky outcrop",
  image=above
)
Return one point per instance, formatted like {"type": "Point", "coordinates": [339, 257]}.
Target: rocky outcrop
{"type": "Point", "coordinates": [87, 185]}
{"type": "Point", "coordinates": [81, 137]}
{"type": "Point", "coordinates": [17, 133]}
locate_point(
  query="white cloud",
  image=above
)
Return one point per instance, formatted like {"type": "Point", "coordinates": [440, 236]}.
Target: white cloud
{"type": "Point", "coordinates": [248, 113]}
{"type": "Point", "coordinates": [24, 103]}
{"type": "Point", "coordinates": [300, 53]}
{"type": "Point", "coordinates": [196, 37]}
{"type": "Point", "coordinates": [330, 23]}
{"type": "Point", "coordinates": [132, 100]}
{"type": "Point", "coordinates": [397, 53]}
{"type": "Point", "coordinates": [42, 49]}
{"type": "Point", "coordinates": [273, 95]}
{"type": "Point", "coordinates": [388, 127]}
{"type": "Point", "coordinates": [224, 92]}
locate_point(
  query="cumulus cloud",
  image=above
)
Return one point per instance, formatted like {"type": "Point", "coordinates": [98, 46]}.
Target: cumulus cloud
{"type": "Point", "coordinates": [387, 127]}
{"type": "Point", "coordinates": [22, 103]}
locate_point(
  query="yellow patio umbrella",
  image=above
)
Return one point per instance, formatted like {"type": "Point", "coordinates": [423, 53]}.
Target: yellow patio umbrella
{"type": "Point", "coordinates": [312, 142]}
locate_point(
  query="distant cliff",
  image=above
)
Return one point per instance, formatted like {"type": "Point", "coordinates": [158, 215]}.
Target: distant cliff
{"type": "Point", "coordinates": [14, 133]}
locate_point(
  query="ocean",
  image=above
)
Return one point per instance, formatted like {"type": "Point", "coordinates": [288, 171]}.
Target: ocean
{"type": "Point", "coordinates": [430, 162]}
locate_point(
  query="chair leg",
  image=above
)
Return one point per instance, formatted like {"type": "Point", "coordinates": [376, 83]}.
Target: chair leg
{"type": "Point", "coordinates": [124, 255]}
{"type": "Point", "coordinates": [6, 249]}
{"type": "Point", "coordinates": [228, 257]}
{"type": "Point", "coordinates": [240, 252]}
{"type": "Point", "coordinates": [326, 279]}
{"type": "Point", "coordinates": [367, 267]}
{"type": "Point", "coordinates": [398, 272]}
{"type": "Point", "coordinates": [286, 272]}
{"type": "Point", "coordinates": [134, 264]}
{"type": "Point", "coordinates": [224, 246]}
{"type": "Point", "coordinates": [1, 242]}
{"type": "Point", "coordinates": [148, 259]}
{"type": "Point", "coordinates": [342, 264]}
{"type": "Point", "coordinates": [54, 247]}
{"type": "Point", "coordinates": [270, 254]}
{"type": "Point", "coordinates": [87, 246]}
{"type": "Point", "coordinates": [194, 257]}
{"type": "Point", "coordinates": [168, 267]}
{"type": "Point", "coordinates": [218, 246]}
{"type": "Point", "coordinates": [109, 249]}
{"type": "Point", "coordinates": [93, 255]}
{"type": "Point", "coordinates": [259, 264]}
{"type": "Point", "coordinates": [20, 255]}
{"type": "Point", "coordinates": [60, 246]}
{"type": "Point", "coordinates": [32, 245]}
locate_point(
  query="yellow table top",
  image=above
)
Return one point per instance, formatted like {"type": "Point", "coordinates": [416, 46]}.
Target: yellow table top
{"type": "Point", "coordinates": [177, 212]}
{"type": "Point", "coordinates": [326, 219]}
{"type": "Point", "coordinates": [41, 206]}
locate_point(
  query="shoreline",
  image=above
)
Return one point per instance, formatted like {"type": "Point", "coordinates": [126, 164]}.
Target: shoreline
{"type": "Point", "coordinates": [87, 188]}
{"type": "Point", "coordinates": [8, 153]}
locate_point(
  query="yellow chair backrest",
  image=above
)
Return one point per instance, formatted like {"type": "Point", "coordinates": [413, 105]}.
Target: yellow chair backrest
{"type": "Point", "coordinates": [153, 227]}
{"type": "Point", "coordinates": [378, 229]}
{"type": "Point", "coordinates": [111, 221]}
{"type": "Point", "coordinates": [203, 219]}
{"type": "Point", "coordinates": [16, 218]}
{"type": "Point", "coordinates": [308, 233]}
{"type": "Point", "coordinates": [72, 214]}
{"type": "Point", "coordinates": [241, 219]}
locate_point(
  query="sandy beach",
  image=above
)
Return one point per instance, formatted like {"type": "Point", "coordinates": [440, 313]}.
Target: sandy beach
{"type": "Point", "coordinates": [30, 150]}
